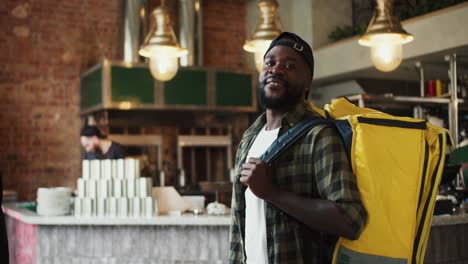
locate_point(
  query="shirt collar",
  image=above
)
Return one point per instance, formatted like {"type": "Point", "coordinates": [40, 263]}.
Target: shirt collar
{"type": "Point", "coordinates": [289, 119]}
{"type": "Point", "coordinates": [294, 116]}
{"type": "Point", "coordinates": [256, 126]}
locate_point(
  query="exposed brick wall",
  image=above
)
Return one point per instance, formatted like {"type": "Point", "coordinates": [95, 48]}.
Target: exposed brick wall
{"type": "Point", "coordinates": [45, 45]}
{"type": "Point", "coordinates": [224, 32]}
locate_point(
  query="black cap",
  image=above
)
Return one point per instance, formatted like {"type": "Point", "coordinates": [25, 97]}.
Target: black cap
{"type": "Point", "coordinates": [298, 44]}
{"type": "Point", "coordinates": [89, 131]}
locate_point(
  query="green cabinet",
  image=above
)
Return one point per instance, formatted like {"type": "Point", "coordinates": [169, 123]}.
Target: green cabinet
{"type": "Point", "coordinates": [233, 89]}
{"type": "Point", "coordinates": [115, 85]}
{"type": "Point", "coordinates": [91, 89]}
{"type": "Point", "coordinates": [188, 87]}
{"type": "Point", "coordinates": [134, 85]}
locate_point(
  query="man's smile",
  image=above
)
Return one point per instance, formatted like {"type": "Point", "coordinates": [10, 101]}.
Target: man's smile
{"type": "Point", "coordinates": [275, 82]}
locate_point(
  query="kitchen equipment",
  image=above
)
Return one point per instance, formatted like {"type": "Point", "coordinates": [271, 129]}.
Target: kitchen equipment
{"type": "Point", "coordinates": [443, 207]}
{"type": "Point", "coordinates": [449, 173]}
{"type": "Point", "coordinates": [169, 200]}
{"type": "Point", "coordinates": [197, 202]}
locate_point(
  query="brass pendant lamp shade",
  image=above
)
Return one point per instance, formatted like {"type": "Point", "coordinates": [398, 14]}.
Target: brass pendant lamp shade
{"type": "Point", "coordinates": [161, 37]}
{"type": "Point", "coordinates": [161, 46]}
{"type": "Point", "coordinates": [383, 22]}
{"type": "Point", "coordinates": [267, 29]}
{"type": "Point", "coordinates": [385, 36]}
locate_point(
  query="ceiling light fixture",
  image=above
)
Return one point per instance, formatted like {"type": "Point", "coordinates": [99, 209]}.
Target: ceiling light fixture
{"type": "Point", "coordinates": [161, 46]}
{"type": "Point", "coordinates": [385, 36]}
{"type": "Point", "coordinates": [266, 30]}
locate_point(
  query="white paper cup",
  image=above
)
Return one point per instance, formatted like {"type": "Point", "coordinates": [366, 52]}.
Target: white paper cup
{"type": "Point", "coordinates": [120, 169]}
{"type": "Point", "coordinates": [130, 168]}
{"type": "Point", "coordinates": [81, 186]}
{"type": "Point", "coordinates": [123, 207]}
{"type": "Point", "coordinates": [87, 207]}
{"type": "Point", "coordinates": [101, 207]}
{"type": "Point", "coordinates": [136, 207]}
{"type": "Point", "coordinates": [149, 207]}
{"type": "Point", "coordinates": [85, 169]}
{"type": "Point", "coordinates": [92, 188]}
{"type": "Point", "coordinates": [112, 209]}
{"type": "Point", "coordinates": [132, 188]}
{"type": "Point", "coordinates": [103, 188]}
{"type": "Point", "coordinates": [117, 183]}
{"type": "Point", "coordinates": [114, 168]}
{"type": "Point", "coordinates": [106, 169]}
{"type": "Point", "coordinates": [95, 169]}
{"type": "Point", "coordinates": [124, 188]}
{"type": "Point", "coordinates": [77, 206]}
{"type": "Point", "coordinates": [144, 187]}
{"type": "Point", "coordinates": [137, 168]}
{"type": "Point", "coordinates": [110, 187]}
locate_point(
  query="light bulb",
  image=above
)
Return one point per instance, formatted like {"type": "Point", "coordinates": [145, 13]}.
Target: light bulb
{"type": "Point", "coordinates": [258, 58]}
{"type": "Point", "coordinates": [163, 68]}
{"type": "Point", "coordinates": [386, 50]}
{"type": "Point", "coordinates": [163, 60]}
{"type": "Point", "coordinates": [386, 57]}
{"type": "Point", "coordinates": [258, 47]}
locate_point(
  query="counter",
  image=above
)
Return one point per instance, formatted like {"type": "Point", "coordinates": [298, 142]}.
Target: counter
{"type": "Point", "coordinates": [448, 240]}
{"type": "Point", "coordinates": [166, 239]}
{"type": "Point", "coordinates": [161, 239]}
{"type": "Point", "coordinates": [30, 217]}
{"type": "Point", "coordinates": [443, 220]}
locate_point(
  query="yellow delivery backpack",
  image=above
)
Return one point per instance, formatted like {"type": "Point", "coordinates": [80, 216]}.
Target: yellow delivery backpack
{"type": "Point", "coordinates": [398, 163]}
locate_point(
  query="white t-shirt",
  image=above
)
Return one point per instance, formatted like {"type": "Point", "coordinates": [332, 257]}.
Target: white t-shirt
{"type": "Point", "coordinates": [255, 223]}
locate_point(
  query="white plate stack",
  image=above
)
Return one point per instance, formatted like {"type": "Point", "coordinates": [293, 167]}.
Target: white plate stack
{"type": "Point", "coordinates": [113, 188]}
{"type": "Point", "coordinates": [53, 201]}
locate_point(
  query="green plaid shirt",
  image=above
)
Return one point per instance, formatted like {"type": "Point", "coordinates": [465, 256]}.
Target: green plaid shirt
{"type": "Point", "coordinates": [315, 167]}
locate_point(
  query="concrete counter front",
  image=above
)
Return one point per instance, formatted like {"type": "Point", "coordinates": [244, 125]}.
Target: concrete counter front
{"type": "Point", "coordinates": [163, 239]}
{"type": "Point", "coordinates": [166, 239]}
{"type": "Point", "coordinates": [448, 240]}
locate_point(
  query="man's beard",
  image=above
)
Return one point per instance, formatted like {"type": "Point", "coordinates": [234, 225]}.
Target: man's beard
{"type": "Point", "coordinates": [287, 100]}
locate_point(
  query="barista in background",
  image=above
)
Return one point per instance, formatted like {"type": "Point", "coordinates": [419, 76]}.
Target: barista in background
{"type": "Point", "coordinates": [98, 146]}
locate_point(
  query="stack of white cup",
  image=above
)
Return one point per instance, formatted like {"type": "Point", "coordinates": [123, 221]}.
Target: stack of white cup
{"type": "Point", "coordinates": [114, 188]}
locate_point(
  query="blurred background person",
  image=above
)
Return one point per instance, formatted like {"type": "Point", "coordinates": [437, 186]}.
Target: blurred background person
{"type": "Point", "coordinates": [98, 146]}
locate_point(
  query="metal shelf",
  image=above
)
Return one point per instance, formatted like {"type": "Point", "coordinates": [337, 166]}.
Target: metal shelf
{"type": "Point", "coordinates": [413, 100]}
{"type": "Point", "coordinates": [184, 141]}
{"type": "Point", "coordinates": [449, 100]}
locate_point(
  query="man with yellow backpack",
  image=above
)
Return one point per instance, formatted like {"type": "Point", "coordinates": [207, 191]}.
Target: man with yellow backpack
{"type": "Point", "coordinates": [295, 191]}
{"type": "Point", "coordinates": [292, 210]}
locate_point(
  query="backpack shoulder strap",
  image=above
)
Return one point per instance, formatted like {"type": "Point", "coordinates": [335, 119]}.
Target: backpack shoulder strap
{"type": "Point", "coordinates": [291, 136]}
